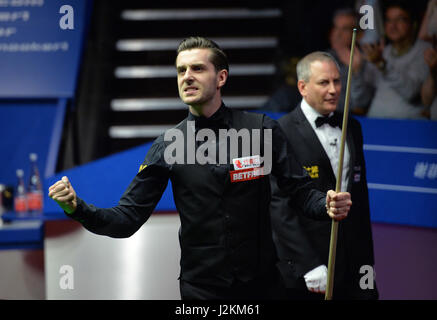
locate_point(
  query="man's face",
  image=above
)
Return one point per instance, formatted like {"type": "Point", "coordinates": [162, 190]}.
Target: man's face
{"type": "Point", "coordinates": [341, 33]}
{"type": "Point", "coordinates": [198, 81]}
{"type": "Point", "coordinates": [398, 25]}
{"type": "Point", "coordinates": [322, 91]}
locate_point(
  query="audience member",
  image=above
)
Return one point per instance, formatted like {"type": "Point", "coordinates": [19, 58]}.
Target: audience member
{"type": "Point", "coordinates": [390, 77]}
{"type": "Point", "coordinates": [428, 29]}
{"type": "Point", "coordinates": [429, 87]}
{"type": "Point", "coordinates": [428, 32]}
{"type": "Point", "coordinates": [340, 39]}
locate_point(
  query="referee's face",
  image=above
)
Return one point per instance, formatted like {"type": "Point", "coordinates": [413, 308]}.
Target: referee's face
{"type": "Point", "coordinates": [198, 82]}
{"type": "Point", "coordinates": [322, 91]}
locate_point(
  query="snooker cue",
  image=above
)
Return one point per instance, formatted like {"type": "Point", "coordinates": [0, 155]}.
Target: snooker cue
{"type": "Point", "coordinates": [334, 224]}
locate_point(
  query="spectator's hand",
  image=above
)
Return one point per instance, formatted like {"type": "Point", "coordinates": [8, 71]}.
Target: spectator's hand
{"type": "Point", "coordinates": [373, 52]}
{"type": "Point", "coordinates": [316, 279]}
{"type": "Point", "coordinates": [358, 60]}
{"type": "Point", "coordinates": [338, 204]}
{"type": "Point", "coordinates": [430, 56]}
{"type": "Point", "coordinates": [63, 193]}
{"type": "Point", "coordinates": [344, 54]}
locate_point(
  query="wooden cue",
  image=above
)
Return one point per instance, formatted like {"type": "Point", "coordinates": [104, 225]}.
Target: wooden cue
{"type": "Point", "coordinates": [334, 225]}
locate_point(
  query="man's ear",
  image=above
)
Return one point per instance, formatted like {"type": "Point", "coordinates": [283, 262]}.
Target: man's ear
{"type": "Point", "coordinates": [301, 85]}
{"type": "Point", "coordinates": [222, 76]}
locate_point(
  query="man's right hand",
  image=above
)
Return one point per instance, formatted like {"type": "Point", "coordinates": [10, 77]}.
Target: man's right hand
{"type": "Point", "coordinates": [373, 52]}
{"type": "Point", "coordinates": [63, 193]}
{"type": "Point", "coordinates": [316, 279]}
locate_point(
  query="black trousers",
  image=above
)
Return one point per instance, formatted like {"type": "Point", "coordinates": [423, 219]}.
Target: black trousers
{"type": "Point", "coordinates": [268, 286]}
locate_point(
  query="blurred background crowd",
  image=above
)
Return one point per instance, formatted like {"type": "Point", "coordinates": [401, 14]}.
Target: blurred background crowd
{"type": "Point", "coordinates": [395, 62]}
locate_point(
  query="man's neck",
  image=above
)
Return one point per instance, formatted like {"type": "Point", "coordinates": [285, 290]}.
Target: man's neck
{"type": "Point", "coordinates": [205, 110]}
{"type": "Point", "coordinates": [402, 47]}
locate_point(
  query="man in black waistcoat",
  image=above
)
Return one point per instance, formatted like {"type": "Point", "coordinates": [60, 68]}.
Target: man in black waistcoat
{"type": "Point", "coordinates": [221, 190]}
{"type": "Point", "coordinates": [313, 130]}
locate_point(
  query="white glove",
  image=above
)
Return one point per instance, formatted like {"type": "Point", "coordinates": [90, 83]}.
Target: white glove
{"type": "Point", "coordinates": [316, 279]}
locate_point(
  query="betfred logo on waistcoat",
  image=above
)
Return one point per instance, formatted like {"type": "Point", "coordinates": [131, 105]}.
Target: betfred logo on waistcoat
{"type": "Point", "coordinates": [246, 162]}
{"type": "Point", "coordinates": [246, 168]}
{"type": "Point", "coordinates": [246, 174]}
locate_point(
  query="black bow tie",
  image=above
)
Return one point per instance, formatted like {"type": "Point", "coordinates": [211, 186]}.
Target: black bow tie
{"type": "Point", "coordinates": [334, 121]}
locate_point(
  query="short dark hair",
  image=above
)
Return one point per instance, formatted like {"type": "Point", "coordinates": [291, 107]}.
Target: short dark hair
{"type": "Point", "coordinates": [218, 58]}
{"type": "Point", "coordinates": [405, 6]}
{"type": "Point", "coordinates": [346, 11]}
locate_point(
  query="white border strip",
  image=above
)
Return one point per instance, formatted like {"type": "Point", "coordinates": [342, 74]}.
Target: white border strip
{"type": "Point", "coordinates": [129, 132]}
{"type": "Point", "coordinates": [392, 187]}
{"type": "Point", "coordinates": [197, 14]}
{"type": "Point", "coordinates": [149, 104]}
{"type": "Point", "coordinates": [375, 147]}
{"type": "Point", "coordinates": [172, 44]}
{"type": "Point", "coordinates": [145, 72]}
{"type": "Point", "coordinates": [132, 72]}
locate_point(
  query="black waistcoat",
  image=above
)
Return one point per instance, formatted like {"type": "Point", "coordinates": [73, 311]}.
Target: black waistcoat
{"type": "Point", "coordinates": [225, 226]}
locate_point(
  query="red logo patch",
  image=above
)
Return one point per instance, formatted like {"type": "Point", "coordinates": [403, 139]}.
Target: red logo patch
{"type": "Point", "coordinates": [247, 174]}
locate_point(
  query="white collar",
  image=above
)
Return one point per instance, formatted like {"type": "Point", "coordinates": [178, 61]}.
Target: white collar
{"type": "Point", "coordinates": [310, 113]}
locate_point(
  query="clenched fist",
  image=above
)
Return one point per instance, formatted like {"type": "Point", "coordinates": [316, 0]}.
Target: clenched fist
{"type": "Point", "coordinates": [63, 193]}
{"type": "Point", "coordinates": [338, 204]}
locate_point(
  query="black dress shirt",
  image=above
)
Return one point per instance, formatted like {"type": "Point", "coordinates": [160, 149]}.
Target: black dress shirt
{"type": "Point", "coordinates": [147, 187]}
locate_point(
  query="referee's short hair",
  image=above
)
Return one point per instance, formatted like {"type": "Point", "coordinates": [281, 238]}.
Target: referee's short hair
{"type": "Point", "coordinates": [303, 68]}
